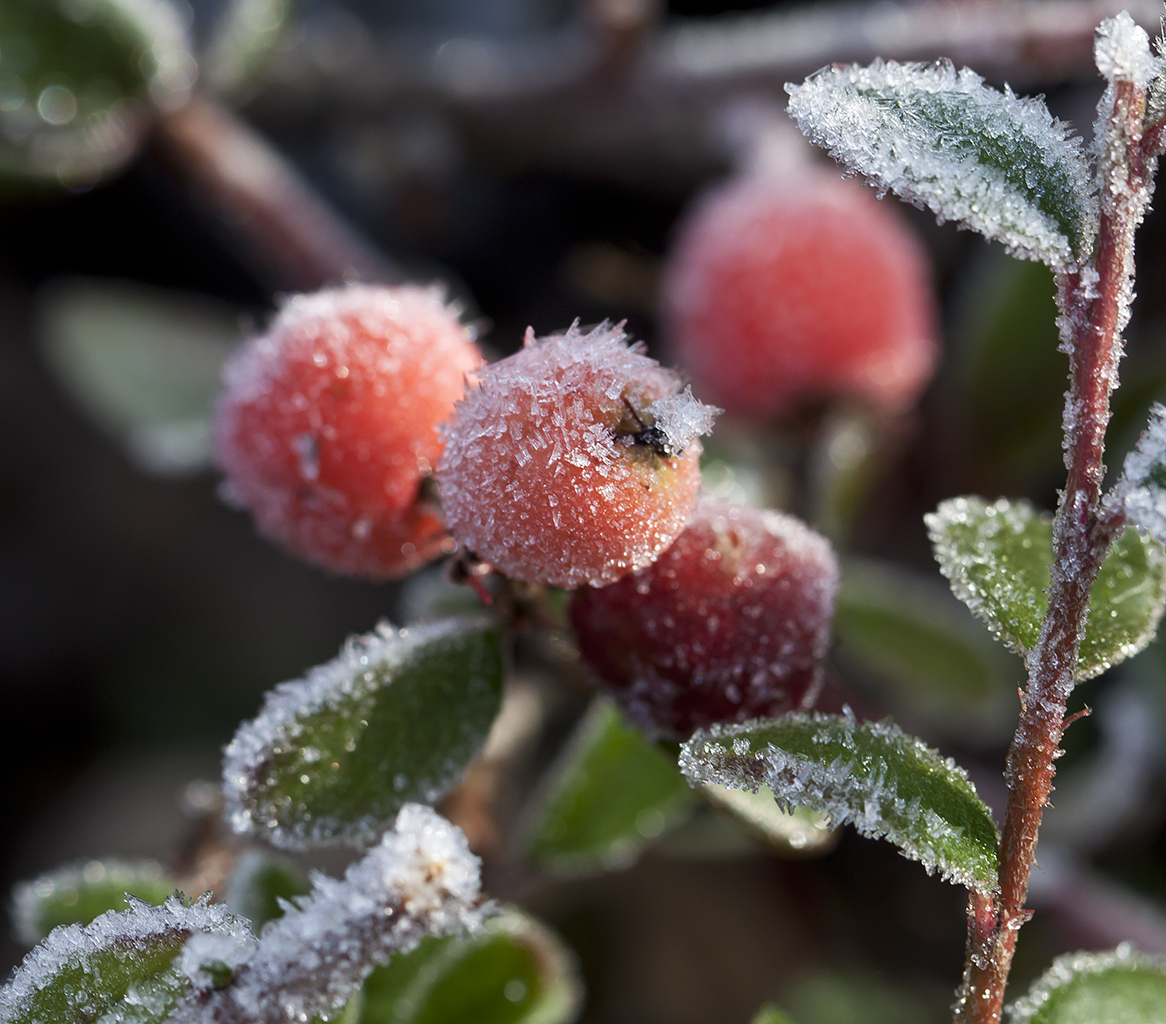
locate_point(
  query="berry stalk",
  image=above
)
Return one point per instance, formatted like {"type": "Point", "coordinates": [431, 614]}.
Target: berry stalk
{"type": "Point", "coordinates": [1094, 304]}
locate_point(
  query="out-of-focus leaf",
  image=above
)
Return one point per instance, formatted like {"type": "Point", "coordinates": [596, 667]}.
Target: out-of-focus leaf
{"type": "Point", "coordinates": [997, 557]}
{"type": "Point", "coordinates": [855, 998]}
{"type": "Point", "coordinates": [516, 972]}
{"type": "Point", "coordinates": [802, 832]}
{"type": "Point", "coordinates": [842, 469]}
{"type": "Point", "coordinates": [247, 33]}
{"type": "Point", "coordinates": [996, 163]}
{"type": "Point", "coordinates": [123, 966]}
{"type": "Point", "coordinates": [80, 80]}
{"type": "Point", "coordinates": [1122, 987]}
{"type": "Point", "coordinates": [142, 362]}
{"type": "Point", "coordinates": [1141, 489]}
{"type": "Point", "coordinates": [928, 656]}
{"type": "Point", "coordinates": [395, 718]}
{"type": "Point", "coordinates": [610, 795]}
{"type": "Point", "coordinates": [770, 1014]}
{"type": "Point", "coordinates": [260, 881]}
{"type": "Point", "coordinates": [1011, 375]}
{"type": "Point", "coordinates": [887, 784]}
{"type": "Point", "coordinates": [79, 893]}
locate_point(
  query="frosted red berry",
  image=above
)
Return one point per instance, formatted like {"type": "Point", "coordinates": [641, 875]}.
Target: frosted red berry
{"type": "Point", "coordinates": [732, 622]}
{"type": "Point", "coordinates": [328, 425]}
{"type": "Point", "coordinates": [783, 290]}
{"type": "Point", "coordinates": [573, 461]}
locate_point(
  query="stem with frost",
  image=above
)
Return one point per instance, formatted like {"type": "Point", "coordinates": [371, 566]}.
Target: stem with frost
{"type": "Point", "coordinates": [1093, 304]}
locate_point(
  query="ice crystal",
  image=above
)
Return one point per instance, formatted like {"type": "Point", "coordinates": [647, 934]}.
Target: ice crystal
{"type": "Point", "coordinates": [421, 880]}
{"type": "Point", "coordinates": [1122, 52]}
{"type": "Point", "coordinates": [999, 164]}
{"type": "Point", "coordinates": [1141, 489]}
{"type": "Point", "coordinates": [305, 771]}
{"type": "Point", "coordinates": [872, 775]}
{"type": "Point", "coordinates": [1073, 969]}
{"type": "Point", "coordinates": [122, 958]}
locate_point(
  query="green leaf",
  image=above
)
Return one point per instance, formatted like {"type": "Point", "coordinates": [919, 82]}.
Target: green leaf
{"type": "Point", "coordinates": [123, 966]}
{"type": "Point", "coordinates": [80, 80]}
{"type": "Point", "coordinates": [872, 775]}
{"type": "Point", "coordinates": [142, 362]}
{"type": "Point", "coordinates": [802, 832]}
{"type": "Point", "coordinates": [610, 795]}
{"type": "Point", "coordinates": [922, 650]}
{"type": "Point", "coordinates": [854, 997]}
{"type": "Point", "coordinates": [997, 558]}
{"type": "Point", "coordinates": [516, 972]}
{"type": "Point", "coordinates": [1122, 987]}
{"type": "Point", "coordinates": [78, 893]}
{"type": "Point", "coordinates": [770, 1014]}
{"type": "Point", "coordinates": [940, 138]}
{"type": "Point", "coordinates": [396, 718]}
{"type": "Point", "coordinates": [1141, 489]}
{"type": "Point", "coordinates": [259, 883]}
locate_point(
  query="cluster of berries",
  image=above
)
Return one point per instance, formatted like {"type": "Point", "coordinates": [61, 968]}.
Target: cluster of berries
{"type": "Point", "coordinates": [367, 434]}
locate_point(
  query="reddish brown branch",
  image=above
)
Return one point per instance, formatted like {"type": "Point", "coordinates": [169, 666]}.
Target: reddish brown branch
{"type": "Point", "coordinates": [1081, 538]}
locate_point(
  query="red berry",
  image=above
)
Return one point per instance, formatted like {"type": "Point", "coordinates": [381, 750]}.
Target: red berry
{"type": "Point", "coordinates": [573, 461]}
{"type": "Point", "coordinates": [329, 423]}
{"type": "Point", "coordinates": [782, 290]}
{"type": "Point", "coordinates": [730, 623]}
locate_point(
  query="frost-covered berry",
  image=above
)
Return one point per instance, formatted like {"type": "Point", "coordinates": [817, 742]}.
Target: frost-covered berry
{"type": "Point", "coordinates": [328, 425]}
{"type": "Point", "coordinates": [573, 461]}
{"type": "Point", "coordinates": [787, 289]}
{"type": "Point", "coordinates": [730, 623]}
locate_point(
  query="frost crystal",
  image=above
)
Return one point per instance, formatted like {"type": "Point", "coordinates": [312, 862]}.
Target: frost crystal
{"type": "Point", "coordinates": [421, 880]}
{"type": "Point", "coordinates": [678, 420]}
{"type": "Point", "coordinates": [1141, 488]}
{"type": "Point", "coordinates": [1122, 52]}
{"type": "Point", "coordinates": [121, 957]}
{"type": "Point", "coordinates": [994, 162]}
{"type": "Point", "coordinates": [1077, 967]}
{"type": "Point", "coordinates": [872, 775]}
{"type": "Point", "coordinates": [291, 773]}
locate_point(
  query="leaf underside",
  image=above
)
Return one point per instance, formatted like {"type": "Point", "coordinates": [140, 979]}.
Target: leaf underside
{"type": "Point", "coordinates": [872, 775]}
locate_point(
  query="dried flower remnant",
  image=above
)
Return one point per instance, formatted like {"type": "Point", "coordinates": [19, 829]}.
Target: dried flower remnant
{"type": "Point", "coordinates": [730, 623]}
{"type": "Point", "coordinates": [783, 290]}
{"type": "Point", "coordinates": [329, 425]}
{"type": "Point", "coordinates": [573, 461]}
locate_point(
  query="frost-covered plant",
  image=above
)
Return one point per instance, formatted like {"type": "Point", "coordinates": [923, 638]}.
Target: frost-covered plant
{"type": "Point", "coordinates": [362, 426]}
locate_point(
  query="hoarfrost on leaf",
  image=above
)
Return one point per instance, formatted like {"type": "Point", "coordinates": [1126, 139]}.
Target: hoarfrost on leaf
{"type": "Point", "coordinates": [872, 775]}
{"type": "Point", "coordinates": [124, 965]}
{"type": "Point", "coordinates": [1141, 489]}
{"type": "Point", "coordinates": [396, 717]}
{"type": "Point", "coordinates": [1090, 988]}
{"type": "Point", "coordinates": [420, 880]}
{"type": "Point", "coordinates": [994, 162]}
{"type": "Point", "coordinates": [997, 557]}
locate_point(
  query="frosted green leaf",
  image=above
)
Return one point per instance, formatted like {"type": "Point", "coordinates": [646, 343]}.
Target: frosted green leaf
{"type": "Point", "coordinates": [79, 83]}
{"type": "Point", "coordinates": [516, 971]}
{"type": "Point", "coordinates": [144, 363]}
{"type": "Point", "coordinates": [999, 164]}
{"type": "Point", "coordinates": [395, 718]}
{"type": "Point", "coordinates": [80, 892]}
{"type": "Point", "coordinates": [871, 775]}
{"type": "Point", "coordinates": [997, 558]}
{"type": "Point", "coordinates": [124, 966]}
{"type": "Point", "coordinates": [1141, 489]}
{"type": "Point", "coordinates": [1122, 987]}
{"type": "Point", "coordinates": [609, 796]}
{"type": "Point", "coordinates": [261, 885]}
{"type": "Point", "coordinates": [921, 649]}
{"type": "Point", "coordinates": [802, 832]}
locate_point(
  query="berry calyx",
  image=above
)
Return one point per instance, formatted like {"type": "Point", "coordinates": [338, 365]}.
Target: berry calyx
{"type": "Point", "coordinates": [328, 425]}
{"type": "Point", "coordinates": [573, 461]}
{"type": "Point", "coordinates": [732, 622]}
{"type": "Point", "coordinates": [784, 290]}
